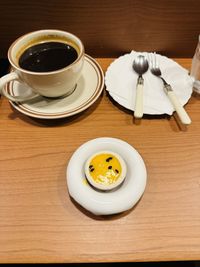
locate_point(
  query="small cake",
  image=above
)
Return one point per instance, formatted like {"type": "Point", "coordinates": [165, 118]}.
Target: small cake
{"type": "Point", "coordinates": [105, 170]}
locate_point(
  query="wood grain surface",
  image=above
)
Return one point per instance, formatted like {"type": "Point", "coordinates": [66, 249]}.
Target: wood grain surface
{"type": "Point", "coordinates": [39, 222]}
{"type": "Point", "coordinates": [108, 28]}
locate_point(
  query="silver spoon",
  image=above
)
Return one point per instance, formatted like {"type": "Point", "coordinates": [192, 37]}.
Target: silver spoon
{"type": "Point", "coordinates": [140, 66]}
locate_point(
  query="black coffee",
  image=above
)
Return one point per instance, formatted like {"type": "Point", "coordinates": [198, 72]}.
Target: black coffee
{"type": "Point", "coordinates": [48, 56]}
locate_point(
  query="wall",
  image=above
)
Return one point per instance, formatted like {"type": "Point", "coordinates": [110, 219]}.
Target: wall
{"type": "Point", "coordinates": [108, 28]}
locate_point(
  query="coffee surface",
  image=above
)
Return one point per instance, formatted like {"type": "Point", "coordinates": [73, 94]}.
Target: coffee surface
{"type": "Point", "coordinates": [49, 56]}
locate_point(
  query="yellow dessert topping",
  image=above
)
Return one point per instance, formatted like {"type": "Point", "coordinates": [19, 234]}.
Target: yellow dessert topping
{"type": "Point", "coordinates": [105, 168]}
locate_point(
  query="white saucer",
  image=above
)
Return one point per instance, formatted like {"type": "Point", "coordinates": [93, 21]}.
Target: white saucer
{"type": "Point", "coordinates": [89, 88]}
{"type": "Point", "coordinates": [105, 203]}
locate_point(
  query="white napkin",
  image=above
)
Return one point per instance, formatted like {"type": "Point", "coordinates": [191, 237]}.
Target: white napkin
{"type": "Point", "coordinates": [121, 80]}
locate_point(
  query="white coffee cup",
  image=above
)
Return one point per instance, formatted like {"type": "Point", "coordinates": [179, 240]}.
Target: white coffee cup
{"type": "Point", "coordinates": [52, 84]}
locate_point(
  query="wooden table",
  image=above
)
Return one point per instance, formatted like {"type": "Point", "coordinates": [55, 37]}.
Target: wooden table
{"type": "Point", "coordinates": [39, 222]}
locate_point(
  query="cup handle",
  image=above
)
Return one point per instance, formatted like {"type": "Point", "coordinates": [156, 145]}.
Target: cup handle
{"type": "Point", "coordinates": [11, 77]}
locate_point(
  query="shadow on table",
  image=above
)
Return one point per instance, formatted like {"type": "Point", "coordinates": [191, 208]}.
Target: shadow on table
{"type": "Point", "coordinates": [133, 264]}
{"type": "Point", "coordinates": [175, 124]}
{"type": "Point", "coordinates": [138, 264]}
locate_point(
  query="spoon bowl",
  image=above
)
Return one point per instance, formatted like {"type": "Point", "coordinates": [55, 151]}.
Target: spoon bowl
{"type": "Point", "coordinates": [140, 65]}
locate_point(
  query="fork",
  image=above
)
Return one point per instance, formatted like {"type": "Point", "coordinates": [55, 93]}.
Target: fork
{"type": "Point", "coordinates": [155, 70]}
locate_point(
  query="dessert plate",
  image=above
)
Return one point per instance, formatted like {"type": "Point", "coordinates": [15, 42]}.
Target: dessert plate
{"type": "Point", "coordinates": [121, 80]}
{"type": "Point", "coordinates": [87, 91]}
{"type": "Point", "coordinates": [112, 202]}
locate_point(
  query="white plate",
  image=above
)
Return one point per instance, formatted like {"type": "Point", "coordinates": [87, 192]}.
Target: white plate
{"type": "Point", "coordinates": [89, 88]}
{"type": "Point", "coordinates": [120, 80]}
{"type": "Point", "coordinates": [105, 203]}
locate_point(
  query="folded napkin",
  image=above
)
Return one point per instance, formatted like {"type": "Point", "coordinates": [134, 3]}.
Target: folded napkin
{"type": "Point", "coordinates": [121, 80]}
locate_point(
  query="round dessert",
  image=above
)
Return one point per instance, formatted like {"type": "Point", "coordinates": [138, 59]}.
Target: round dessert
{"type": "Point", "coordinates": [105, 170]}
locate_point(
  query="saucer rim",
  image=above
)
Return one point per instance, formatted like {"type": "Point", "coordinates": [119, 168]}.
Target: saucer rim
{"type": "Point", "coordinates": [124, 198]}
{"type": "Point", "coordinates": [21, 107]}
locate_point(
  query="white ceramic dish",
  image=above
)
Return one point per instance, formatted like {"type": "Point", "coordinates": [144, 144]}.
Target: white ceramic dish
{"type": "Point", "coordinates": [89, 88]}
{"type": "Point", "coordinates": [120, 80]}
{"type": "Point", "coordinates": [105, 203]}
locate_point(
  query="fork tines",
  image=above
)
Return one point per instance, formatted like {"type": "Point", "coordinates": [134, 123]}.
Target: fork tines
{"type": "Point", "coordinates": [153, 61]}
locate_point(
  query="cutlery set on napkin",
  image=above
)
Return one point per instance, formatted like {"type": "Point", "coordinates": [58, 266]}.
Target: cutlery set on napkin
{"type": "Point", "coordinates": [143, 92]}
